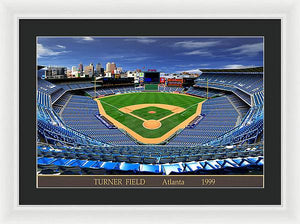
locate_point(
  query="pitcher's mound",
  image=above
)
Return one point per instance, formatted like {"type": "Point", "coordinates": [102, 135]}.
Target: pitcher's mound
{"type": "Point", "coordinates": [152, 112]}
{"type": "Point", "coordinates": [152, 124]}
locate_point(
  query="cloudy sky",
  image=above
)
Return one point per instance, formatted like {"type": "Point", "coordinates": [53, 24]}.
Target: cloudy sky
{"type": "Point", "coordinates": [162, 53]}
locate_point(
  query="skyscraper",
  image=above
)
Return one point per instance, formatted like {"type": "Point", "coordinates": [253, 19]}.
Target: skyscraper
{"type": "Point", "coordinates": [74, 72]}
{"type": "Point", "coordinates": [110, 67]}
{"type": "Point", "coordinates": [89, 70]}
{"type": "Point", "coordinates": [74, 68]}
{"type": "Point", "coordinates": [80, 69]}
{"type": "Point", "coordinates": [113, 66]}
{"type": "Point", "coordinates": [99, 69]}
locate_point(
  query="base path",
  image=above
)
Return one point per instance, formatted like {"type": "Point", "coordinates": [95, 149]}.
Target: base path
{"type": "Point", "coordinates": [129, 109]}
{"type": "Point", "coordinates": [174, 109]}
{"type": "Point", "coordinates": [153, 124]}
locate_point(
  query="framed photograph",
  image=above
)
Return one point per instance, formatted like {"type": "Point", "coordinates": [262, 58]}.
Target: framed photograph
{"type": "Point", "coordinates": [158, 111]}
{"type": "Point", "coordinates": [150, 118]}
{"type": "Point", "coordinates": [25, 54]}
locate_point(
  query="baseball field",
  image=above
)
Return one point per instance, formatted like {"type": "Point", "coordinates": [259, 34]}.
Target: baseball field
{"type": "Point", "coordinates": [150, 117]}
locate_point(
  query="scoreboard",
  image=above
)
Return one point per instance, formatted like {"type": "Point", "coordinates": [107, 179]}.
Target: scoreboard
{"type": "Point", "coordinates": [151, 77]}
{"type": "Point", "coordinates": [175, 82]}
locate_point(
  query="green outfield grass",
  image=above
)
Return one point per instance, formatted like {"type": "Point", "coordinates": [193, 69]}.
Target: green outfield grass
{"type": "Point", "coordinates": [113, 103]}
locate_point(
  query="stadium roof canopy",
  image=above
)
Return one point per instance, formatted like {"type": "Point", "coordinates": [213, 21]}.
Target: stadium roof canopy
{"type": "Point", "coordinates": [39, 67]}
{"type": "Point", "coordinates": [254, 69]}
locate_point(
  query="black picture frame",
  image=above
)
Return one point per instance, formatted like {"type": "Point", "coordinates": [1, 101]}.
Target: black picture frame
{"type": "Point", "coordinates": [29, 29]}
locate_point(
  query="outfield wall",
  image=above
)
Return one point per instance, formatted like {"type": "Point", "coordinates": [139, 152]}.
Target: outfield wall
{"type": "Point", "coordinates": [151, 87]}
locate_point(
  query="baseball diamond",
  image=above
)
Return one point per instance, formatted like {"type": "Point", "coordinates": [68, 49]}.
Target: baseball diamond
{"type": "Point", "coordinates": [151, 112]}
{"type": "Point", "coordinates": [169, 113]}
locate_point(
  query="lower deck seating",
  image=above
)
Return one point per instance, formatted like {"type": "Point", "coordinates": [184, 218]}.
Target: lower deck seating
{"type": "Point", "coordinates": [53, 130]}
{"type": "Point", "coordinates": [149, 159]}
{"type": "Point", "coordinates": [247, 132]}
{"type": "Point", "coordinates": [79, 114]}
{"type": "Point", "coordinates": [170, 89]}
{"type": "Point", "coordinates": [220, 117]}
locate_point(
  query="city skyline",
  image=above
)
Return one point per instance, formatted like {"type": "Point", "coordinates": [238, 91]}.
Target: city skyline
{"type": "Point", "coordinates": [169, 55]}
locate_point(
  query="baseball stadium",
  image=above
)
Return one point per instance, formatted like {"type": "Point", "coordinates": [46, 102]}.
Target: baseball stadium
{"type": "Point", "coordinates": [92, 127]}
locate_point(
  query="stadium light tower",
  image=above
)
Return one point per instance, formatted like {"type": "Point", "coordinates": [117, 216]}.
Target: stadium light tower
{"type": "Point", "coordinates": [95, 85]}
{"type": "Point", "coordinates": [207, 88]}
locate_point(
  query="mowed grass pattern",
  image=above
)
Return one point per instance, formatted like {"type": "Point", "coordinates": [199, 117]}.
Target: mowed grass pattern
{"type": "Point", "coordinates": [113, 103]}
{"type": "Point", "coordinates": [159, 113]}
